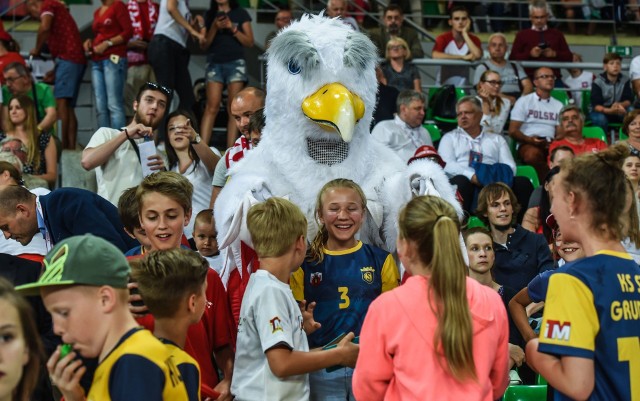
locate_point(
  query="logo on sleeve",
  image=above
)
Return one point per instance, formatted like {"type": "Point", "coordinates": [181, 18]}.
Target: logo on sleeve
{"type": "Point", "coordinates": [367, 274]}
{"type": "Point", "coordinates": [556, 330]}
{"type": "Point", "coordinates": [276, 324]}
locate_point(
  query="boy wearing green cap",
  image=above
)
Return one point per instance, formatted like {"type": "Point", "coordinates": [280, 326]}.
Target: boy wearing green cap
{"type": "Point", "coordinates": [84, 287]}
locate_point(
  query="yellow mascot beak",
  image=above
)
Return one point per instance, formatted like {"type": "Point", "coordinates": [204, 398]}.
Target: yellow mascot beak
{"type": "Point", "coordinates": [334, 107]}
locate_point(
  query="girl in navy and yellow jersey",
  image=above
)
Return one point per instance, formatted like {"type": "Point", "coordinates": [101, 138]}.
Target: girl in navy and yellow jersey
{"type": "Point", "coordinates": [342, 276]}
{"type": "Point", "coordinates": [589, 346]}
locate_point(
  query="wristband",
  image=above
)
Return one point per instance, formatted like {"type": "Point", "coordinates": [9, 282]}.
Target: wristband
{"type": "Point", "coordinates": [126, 133]}
{"type": "Point", "coordinates": [110, 43]}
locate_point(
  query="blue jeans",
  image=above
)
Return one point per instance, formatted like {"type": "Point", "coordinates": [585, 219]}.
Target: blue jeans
{"type": "Point", "coordinates": [108, 86]}
{"type": "Point", "coordinates": [603, 120]}
{"type": "Point", "coordinates": [333, 386]}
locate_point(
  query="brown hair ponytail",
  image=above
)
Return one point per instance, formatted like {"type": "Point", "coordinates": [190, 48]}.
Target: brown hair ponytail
{"type": "Point", "coordinates": [433, 225]}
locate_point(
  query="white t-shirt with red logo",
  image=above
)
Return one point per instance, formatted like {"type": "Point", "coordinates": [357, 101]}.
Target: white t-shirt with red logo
{"type": "Point", "coordinates": [539, 117]}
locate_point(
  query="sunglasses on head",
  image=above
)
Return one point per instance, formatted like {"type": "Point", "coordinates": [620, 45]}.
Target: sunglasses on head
{"type": "Point", "coordinates": [158, 87]}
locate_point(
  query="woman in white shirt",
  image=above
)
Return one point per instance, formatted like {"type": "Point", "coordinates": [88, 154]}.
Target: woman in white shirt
{"type": "Point", "coordinates": [495, 108]}
{"type": "Point", "coordinates": [191, 157]}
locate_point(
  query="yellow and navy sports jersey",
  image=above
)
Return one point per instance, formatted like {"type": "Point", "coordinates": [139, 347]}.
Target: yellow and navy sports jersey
{"type": "Point", "coordinates": [140, 367]}
{"type": "Point", "coordinates": [592, 310]}
{"type": "Point", "coordinates": [343, 286]}
{"type": "Point", "coordinates": [188, 368]}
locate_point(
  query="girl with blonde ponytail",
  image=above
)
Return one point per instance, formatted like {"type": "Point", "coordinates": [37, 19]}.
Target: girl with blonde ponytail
{"type": "Point", "coordinates": [340, 278]}
{"type": "Point", "coordinates": [441, 335]}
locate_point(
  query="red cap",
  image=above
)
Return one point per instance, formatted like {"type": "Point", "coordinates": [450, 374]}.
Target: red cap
{"type": "Point", "coordinates": [426, 151]}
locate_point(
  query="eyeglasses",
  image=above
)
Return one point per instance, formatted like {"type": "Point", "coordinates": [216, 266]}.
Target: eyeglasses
{"type": "Point", "coordinates": [493, 82]}
{"type": "Point", "coordinates": [11, 80]}
{"type": "Point", "coordinates": [396, 47]}
{"type": "Point", "coordinates": [546, 77]}
{"type": "Point", "coordinates": [158, 87]}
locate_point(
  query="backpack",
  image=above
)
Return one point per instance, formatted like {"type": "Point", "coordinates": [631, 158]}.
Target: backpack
{"type": "Point", "coordinates": [443, 102]}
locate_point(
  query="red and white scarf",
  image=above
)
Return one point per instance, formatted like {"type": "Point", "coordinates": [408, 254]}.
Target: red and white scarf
{"type": "Point", "coordinates": [237, 151]}
{"type": "Point", "coordinates": [133, 6]}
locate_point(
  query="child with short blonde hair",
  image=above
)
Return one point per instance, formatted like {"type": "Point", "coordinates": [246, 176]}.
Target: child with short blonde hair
{"type": "Point", "coordinates": [271, 323]}
{"type": "Point", "coordinates": [204, 235]}
{"type": "Point", "coordinates": [84, 286]}
{"type": "Point", "coordinates": [173, 285]}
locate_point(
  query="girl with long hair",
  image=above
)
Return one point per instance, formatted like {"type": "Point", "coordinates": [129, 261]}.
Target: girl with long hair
{"type": "Point", "coordinates": [441, 335]}
{"type": "Point", "coordinates": [191, 157]}
{"type": "Point", "coordinates": [21, 354]}
{"type": "Point", "coordinates": [495, 108]}
{"type": "Point", "coordinates": [589, 345]}
{"type": "Point", "coordinates": [41, 160]}
{"type": "Point", "coordinates": [340, 277]}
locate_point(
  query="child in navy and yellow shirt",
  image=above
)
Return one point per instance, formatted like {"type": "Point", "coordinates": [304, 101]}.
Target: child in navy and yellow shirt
{"type": "Point", "coordinates": [84, 286]}
{"type": "Point", "coordinates": [341, 276]}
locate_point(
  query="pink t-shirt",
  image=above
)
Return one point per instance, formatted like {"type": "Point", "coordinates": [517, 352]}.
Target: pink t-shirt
{"type": "Point", "coordinates": [399, 361]}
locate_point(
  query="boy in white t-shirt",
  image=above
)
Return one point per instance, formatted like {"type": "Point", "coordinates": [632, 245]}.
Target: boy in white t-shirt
{"type": "Point", "coordinates": [272, 359]}
{"type": "Point", "coordinates": [578, 81]}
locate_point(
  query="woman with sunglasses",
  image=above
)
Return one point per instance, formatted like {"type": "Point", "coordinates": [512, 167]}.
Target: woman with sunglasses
{"type": "Point", "coordinates": [397, 70]}
{"type": "Point", "coordinates": [495, 108]}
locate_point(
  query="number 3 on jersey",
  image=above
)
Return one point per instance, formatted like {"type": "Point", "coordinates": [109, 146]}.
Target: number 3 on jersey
{"type": "Point", "coordinates": [344, 298]}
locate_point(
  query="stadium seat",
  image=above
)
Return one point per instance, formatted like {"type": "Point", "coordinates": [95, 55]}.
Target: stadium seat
{"type": "Point", "coordinates": [594, 132]}
{"type": "Point", "coordinates": [474, 222]}
{"type": "Point", "coordinates": [560, 95]}
{"type": "Point", "coordinates": [540, 380]}
{"type": "Point", "coordinates": [434, 132]}
{"type": "Point", "coordinates": [525, 393]}
{"type": "Point", "coordinates": [530, 173]}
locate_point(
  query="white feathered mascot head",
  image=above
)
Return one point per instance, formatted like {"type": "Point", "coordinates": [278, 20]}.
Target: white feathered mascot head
{"type": "Point", "coordinates": [321, 93]}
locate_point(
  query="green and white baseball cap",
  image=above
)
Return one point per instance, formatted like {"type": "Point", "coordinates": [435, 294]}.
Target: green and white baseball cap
{"type": "Point", "coordinates": [81, 260]}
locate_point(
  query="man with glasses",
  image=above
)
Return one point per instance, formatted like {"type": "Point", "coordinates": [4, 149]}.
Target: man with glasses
{"type": "Point", "coordinates": [540, 43]}
{"type": "Point", "coordinates": [534, 121]}
{"type": "Point", "coordinates": [393, 19]}
{"type": "Point", "coordinates": [284, 17]}
{"type": "Point", "coordinates": [475, 157]}
{"type": "Point", "coordinates": [114, 153]}
{"type": "Point", "coordinates": [515, 82]}
{"type": "Point", "coordinates": [19, 82]}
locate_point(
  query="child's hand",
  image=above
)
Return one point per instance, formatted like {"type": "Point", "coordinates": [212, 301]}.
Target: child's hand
{"type": "Point", "coordinates": [65, 373]}
{"type": "Point", "coordinates": [224, 388]}
{"type": "Point", "coordinates": [349, 351]}
{"type": "Point", "coordinates": [308, 323]}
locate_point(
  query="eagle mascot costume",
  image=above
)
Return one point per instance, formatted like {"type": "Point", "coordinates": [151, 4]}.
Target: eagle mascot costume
{"type": "Point", "coordinates": [321, 93]}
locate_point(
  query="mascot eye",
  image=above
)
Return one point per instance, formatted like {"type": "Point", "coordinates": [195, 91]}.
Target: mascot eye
{"type": "Point", "coordinates": [293, 67]}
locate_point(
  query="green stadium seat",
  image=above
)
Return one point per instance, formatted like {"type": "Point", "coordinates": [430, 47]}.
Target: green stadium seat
{"type": "Point", "coordinates": [540, 380]}
{"type": "Point", "coordinates": [474, 222]}
{"type": "Point", "coordinates": [525, 393]}
{"type": "Point", "coordinates": [560, 95]}
{"type": "Point", "coordinates": [434, 132]}
{"type": "Point", "coordinates": [594, 132]}
{"type": "Point", "coordinates": [530, 173]}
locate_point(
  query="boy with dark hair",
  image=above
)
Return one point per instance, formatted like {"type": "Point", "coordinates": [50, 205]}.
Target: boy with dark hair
{"type": "Point", "coordinates": [204, 235]}
{"type": "Point", "coordinates": [457, 44]}
{"type": "Point", "coordinates": [611, 93]}
{"type": "Point", "coordinates": [84, 287]}
{"type": "Point", "coordinates": [164, 207]}
{"type": "Point", "coordinates": [128, 211]}
{"type": "Point", "coordinates": [271, 323]}
{"type": "Point", "coordinates": [173, 284]}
